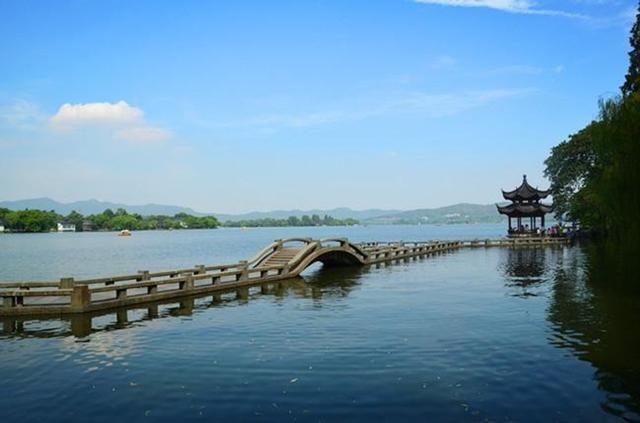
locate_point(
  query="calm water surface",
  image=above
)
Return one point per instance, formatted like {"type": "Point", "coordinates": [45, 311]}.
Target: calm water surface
{"type": "Point", "coordinates": [473, 335]}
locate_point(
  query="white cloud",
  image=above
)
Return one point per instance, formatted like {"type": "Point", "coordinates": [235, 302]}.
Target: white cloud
{"type": "Point", "coordinates": [143, 134]}
{"type": "Point", "coordinates": [511, 6]}
{"type": "Point", "coordinates": [96, 113]}
{"type": "Point", "coordinates": [121, 120]}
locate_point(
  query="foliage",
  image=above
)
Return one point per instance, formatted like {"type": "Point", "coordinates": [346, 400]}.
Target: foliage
{"type": "Point", "coordinates": [108, 220]}
{"type": "Point", "coordinates": [569, 168]}
{"type": "Point", "coordinates": [305, 220]}
{"type": "Point", "coordinates": [43, 221]}
{"type": "Point", "coordinates": [616, 190]}
{"type": "Point", "coordinates": [29, 220]}
{"type": "Point", "coordinates": [595, 175]}
{"type": "Point", "coordinates": [75, 218]}
{"type": "Point", "coordinates": [632, 80]}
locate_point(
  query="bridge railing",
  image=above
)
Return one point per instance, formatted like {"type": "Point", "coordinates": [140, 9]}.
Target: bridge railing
{"type": "Point", "coordinates": [96, 294]}
{"type": "Point", "coordinates": [345, 243]}
{"type": "Point", "coordinates": [386, 251]}
{"type": "Point", "coordinates": [303, 253]}
{"type": "Point", "coordinates": [262, 254]}
{"type": "Point", "coordinates": [70, 295]}
{"type": "Point", "coordinates": [282, 242]}
{"type": "Point", "coordinates": [272, 248]}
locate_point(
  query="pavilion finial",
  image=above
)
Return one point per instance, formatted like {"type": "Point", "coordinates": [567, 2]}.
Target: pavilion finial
{"type": "Point", "coordinates": [524, 177]}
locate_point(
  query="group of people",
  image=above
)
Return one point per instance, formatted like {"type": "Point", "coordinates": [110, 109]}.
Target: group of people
{"type": "Point", "coordinates": [552, 231]}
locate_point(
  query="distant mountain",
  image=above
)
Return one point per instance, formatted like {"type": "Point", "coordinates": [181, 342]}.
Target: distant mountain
{"type": "Point", "coordinates": [457, 213]}
{"type": "Point", "coordinates": [94, 206]}
{"type": "Point", "coordinates": [338, 213]}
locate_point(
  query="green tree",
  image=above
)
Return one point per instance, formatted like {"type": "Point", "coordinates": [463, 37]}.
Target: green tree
{"type": "Point", "coordinates": [100, 221]}
{"type": "Point", "coordinates": [31, 220]}
{"type": "Point", "coordinates": [293, 221]}
{"type": "Point", "coordinates": [615, 189]}
{"type": "Point", "coordinates": [569, 168]}
{"type": "Point", "coordinates": [632, 79]}
{"type": "Point", "coordinates": [75, 218]}
{"type": "Point", "coordinates": [120, 222]}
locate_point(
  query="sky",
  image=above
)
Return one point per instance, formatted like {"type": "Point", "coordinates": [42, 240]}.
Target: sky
{"type": "Point", "coordinates": [236, 106]}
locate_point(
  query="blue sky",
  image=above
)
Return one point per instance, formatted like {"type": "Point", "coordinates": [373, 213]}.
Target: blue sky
{"type": "Point", "coordinates": [256, 105]}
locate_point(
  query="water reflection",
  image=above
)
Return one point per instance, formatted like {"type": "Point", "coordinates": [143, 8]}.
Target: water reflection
{"type": "Point", "coordinates": [526, 269]}
{"type": "Point", "coordinates": [451, 338]}
{"type": "Point", "coordinates": [318, 284]}
{"type": "Point", "coordinates": [594, 310]}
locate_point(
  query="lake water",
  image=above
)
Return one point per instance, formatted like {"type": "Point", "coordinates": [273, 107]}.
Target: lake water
{"type": "Point", "coordinates": [472, 335]}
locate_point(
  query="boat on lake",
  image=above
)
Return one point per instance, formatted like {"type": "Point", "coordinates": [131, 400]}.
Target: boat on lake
{"type": "Point", "coordinates": [125, 232]}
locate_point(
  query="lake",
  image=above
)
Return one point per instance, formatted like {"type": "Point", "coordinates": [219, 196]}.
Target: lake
{"type": "Point", "coordinates": [537, 334]}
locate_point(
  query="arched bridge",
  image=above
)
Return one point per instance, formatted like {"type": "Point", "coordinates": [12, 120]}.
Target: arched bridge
{"type": "Point", "coordinates": [281, 259]}
{"type": "Point", "coordinates": [294, 255]}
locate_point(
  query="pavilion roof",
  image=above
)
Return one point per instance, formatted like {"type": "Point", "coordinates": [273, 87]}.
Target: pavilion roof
{"type": "Point", "coordinates": [525, 192]}
{"type": "Point", "coordinates": [525, 210]}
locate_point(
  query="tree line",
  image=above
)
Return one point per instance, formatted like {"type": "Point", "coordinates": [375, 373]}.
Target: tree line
{"type": "Point", "coordinates": [313, 220]}
{"type": "Point", "coordinates": [595, 173]}
{"type": "Point", "coordinates": [108, 220]}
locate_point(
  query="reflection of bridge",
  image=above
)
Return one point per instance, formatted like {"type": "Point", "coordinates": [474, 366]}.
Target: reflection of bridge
{"type": "Point", "coordinates": [280, 260]}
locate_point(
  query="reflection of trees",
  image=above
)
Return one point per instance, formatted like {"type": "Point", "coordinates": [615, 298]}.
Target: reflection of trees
{"type": "Point", "coordinates": [320, 285]}
{"type": "Point", "coordinates": [595, 312]}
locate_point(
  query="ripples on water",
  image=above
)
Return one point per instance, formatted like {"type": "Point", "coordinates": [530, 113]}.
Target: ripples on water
{"type": "Point", "coordinates": [473, 335]}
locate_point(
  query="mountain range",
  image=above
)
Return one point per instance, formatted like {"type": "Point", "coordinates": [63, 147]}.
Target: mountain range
{"type": "Point", "coordinates": [457, 213]}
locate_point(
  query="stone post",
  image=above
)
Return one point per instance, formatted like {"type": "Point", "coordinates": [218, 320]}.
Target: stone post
{"type": "Point", "coordinates": [187, 285]}
{"type": "Point", "coordinates": [80, 298]}
{"type": "Point", "coordinates": [66, 283]}
{"type": "Point", "coordinates": [8, 301]}
{"type": "Point", "coordinates": [245, 270]}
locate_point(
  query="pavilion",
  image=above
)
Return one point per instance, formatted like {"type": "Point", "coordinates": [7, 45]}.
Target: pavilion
{"type": "Point", "coordinates": [525, 203]}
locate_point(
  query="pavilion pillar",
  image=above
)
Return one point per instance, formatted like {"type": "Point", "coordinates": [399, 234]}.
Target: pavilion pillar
{"type": "Point", "coordinates": [509, 223]}
{"type": "Point", "coordinates": [542, 224]}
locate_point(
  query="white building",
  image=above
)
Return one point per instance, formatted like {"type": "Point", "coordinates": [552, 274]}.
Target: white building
{"type": "Point", "coordinates": [1, 226]}
{"type": "Point", "coordinates": [66, 227]}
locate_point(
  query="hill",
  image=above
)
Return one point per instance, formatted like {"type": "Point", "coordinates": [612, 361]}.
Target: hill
{"type": "Point", "coordinates": [87, 207]}
{"type": "Point", "coordinates": [457, 213]}
{"type": "Point", "coordinates": [338, 213]}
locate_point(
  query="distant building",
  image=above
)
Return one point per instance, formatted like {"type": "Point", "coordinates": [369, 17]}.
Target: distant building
{"type": "Point", "coordinates": [87, 226]}
{"type": "Point", "coordinates": [1, 226]}
{"type": "Point", "coordinates": [66, 227]}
